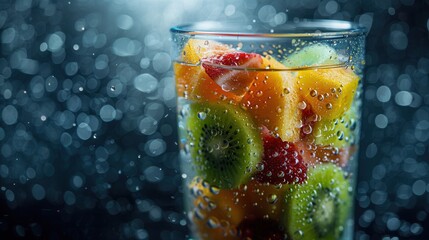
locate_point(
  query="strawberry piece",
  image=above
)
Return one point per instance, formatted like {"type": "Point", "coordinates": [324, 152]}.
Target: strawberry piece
{"type": "Point", "coordinates": [260, 229]}
{"type": "Point", "coordinates": [220, 68]}
{"type": "Point", "coordinates": [281, 163]}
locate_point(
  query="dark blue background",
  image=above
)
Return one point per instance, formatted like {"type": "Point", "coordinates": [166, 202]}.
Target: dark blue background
{"type": "Point", "coordinates": [87, 127]}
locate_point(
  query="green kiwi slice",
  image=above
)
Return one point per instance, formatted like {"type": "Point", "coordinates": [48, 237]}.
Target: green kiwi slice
{"type": "Point", "coordinates": [313, 55]}
{"type": "Point", "coordinates": [319, 208]}
{"type": "Point", "coordinates": [224, 143]}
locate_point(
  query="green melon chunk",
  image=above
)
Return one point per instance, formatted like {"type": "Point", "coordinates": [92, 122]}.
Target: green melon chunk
{"type": "Point", "coordinates": [338, 132]}
{"type": "Point", "coordinates": [313, 55]}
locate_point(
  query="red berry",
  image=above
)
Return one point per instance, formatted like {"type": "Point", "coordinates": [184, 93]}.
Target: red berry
{"type": "Point", "coordinates": [281, 163]}
{"type": "Point", "coordinates": [223, 70]}
{"type": "Point", "coordinates": [260, 229]}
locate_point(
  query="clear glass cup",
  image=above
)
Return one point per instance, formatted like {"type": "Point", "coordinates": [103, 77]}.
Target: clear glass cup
{"type": "Point", "coordinates": [269, 122]}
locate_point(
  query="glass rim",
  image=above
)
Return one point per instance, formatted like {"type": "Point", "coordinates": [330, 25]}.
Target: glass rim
{"type": "Point", "coordinates": [304, 28]}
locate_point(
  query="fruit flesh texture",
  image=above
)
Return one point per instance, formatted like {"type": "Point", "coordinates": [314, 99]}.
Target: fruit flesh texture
{"type": "Point", "coordinates": [320, 154]}
{"type": "Point", "coordinates": [318, 209]}
{"type": "Point", "coordinates": [226, 145]}
{"type": "Point", "coordinates": [272, 101]}
{"type": "Point", "coordinates": [218, 212]}
{"type": "Point", "coordinates": [215, 214]}
{"type": "Point", "coordinates": [281, 163]}
{"type": "Point", "coordinates": [313, 55]}
{"type": "Point", "coordinates": [337, 132]}
{"type": "Point", "coordinates": [330, 92]}
{"type": "Point", "coordinates": [317, 154]}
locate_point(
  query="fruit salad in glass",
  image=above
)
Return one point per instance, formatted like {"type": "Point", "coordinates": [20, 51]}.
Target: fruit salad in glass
{"type": "Point", "coordinates": [268, 127]}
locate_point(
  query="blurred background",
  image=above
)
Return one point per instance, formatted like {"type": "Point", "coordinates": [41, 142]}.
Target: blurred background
{"type": "Point", "coordinates": [87, 128]}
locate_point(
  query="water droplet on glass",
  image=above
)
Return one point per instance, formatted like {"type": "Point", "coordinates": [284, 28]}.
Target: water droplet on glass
{"type": "Point", "coordinates": [214, 190]}
{"type": "Point", "coordinates": [202, 115]}
{"type": "Point", "coordinates": [260, 166]}
{"type": "Point", "coordinates": [307, 129]}
{"type": "Point", "coordinates": [226, 88]}
{"type": "Point", "coordinates": [225, 144]}
{"type": "Point", "coordinates": [286, 90]}
{"type": "Point", "coordinates": [340, 135]}
{"type": "Point", "coordinates": [302, 105]}
{"type": "Point", "coordinates": [272, 199]}
{"type": "Point", "coordinates": [211, 205]}
{"type": "Point", "coordinates": [299, 233]}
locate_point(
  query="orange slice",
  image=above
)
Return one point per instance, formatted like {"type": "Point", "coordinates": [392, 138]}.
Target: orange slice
{"type": "Point", "coordinates": [215, 214]}
{"type": "Point", "coordinates": [273, 99]}
{"type": "Point", "coordinates": [263, 200]}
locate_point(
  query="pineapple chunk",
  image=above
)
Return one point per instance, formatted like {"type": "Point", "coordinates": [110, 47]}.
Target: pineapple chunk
{"type": "Point", "coordinates": [330, 92]}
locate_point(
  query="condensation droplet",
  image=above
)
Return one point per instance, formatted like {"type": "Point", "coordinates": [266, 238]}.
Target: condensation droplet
{"type": "Point", "coordinates": [286, 90]}
{"type": "Point", "coordinates": [202, 115]}
{"type": "Point", "coordinates": [272, 199]}
{"type": "Point", "coordinates": [307, 129]}
{"type": "Point", "coordinates": [302, 105]}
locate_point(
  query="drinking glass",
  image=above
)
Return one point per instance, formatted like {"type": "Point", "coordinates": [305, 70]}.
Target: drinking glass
{"type": "Point", "coordinates": [269, 122]}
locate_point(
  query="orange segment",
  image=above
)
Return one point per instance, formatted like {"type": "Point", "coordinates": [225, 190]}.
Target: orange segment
{"type": "Point", "coordinates": [263, 200]}
{"type": "Point", "coordinates": [215, 214]}
{"type": "Point", "coordinates": [191, 80]}
{"type": "Point", "coordinates": [218, 212]}
{"type": "Point", "coordinates": [330, 92]}
{"type": "Point", "coordinates": [272, 100]}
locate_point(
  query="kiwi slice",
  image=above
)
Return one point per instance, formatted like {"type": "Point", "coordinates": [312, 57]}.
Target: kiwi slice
{"type": "Point", "coordinates": [225, 143]}
{"type": "Point", "coordinates": [319, 208]}
{"type": "Point", "coordinates": [313, 55]}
